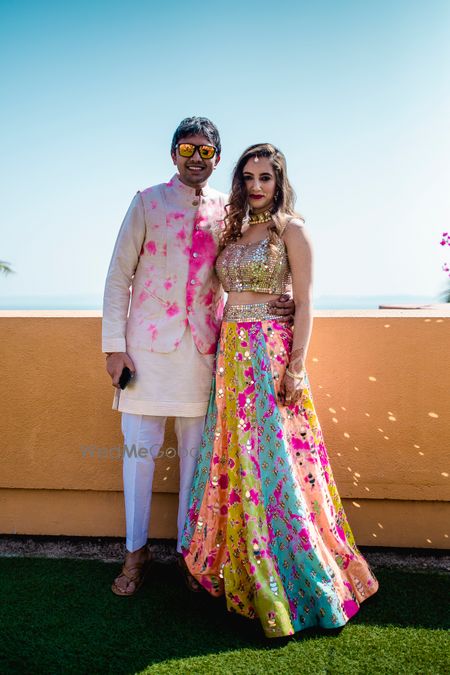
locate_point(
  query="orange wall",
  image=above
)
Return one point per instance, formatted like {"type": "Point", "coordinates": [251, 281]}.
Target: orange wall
{"type": "Point", "coordinates": [381, 387]}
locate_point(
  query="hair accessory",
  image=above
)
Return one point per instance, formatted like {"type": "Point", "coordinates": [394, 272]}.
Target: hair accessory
{"type": "Point", "coordinates": [264, 217]}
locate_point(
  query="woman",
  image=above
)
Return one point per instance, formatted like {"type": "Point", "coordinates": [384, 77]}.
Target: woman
{"type": "Point", "coordinates": [265, 523]}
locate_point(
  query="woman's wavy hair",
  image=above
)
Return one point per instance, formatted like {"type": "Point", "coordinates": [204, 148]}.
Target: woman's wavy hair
{"type": "Point", "coordinates": [237, 209]}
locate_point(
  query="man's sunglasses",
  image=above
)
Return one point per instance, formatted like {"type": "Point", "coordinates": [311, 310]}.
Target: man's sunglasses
{"type": "Point", "coordinates": [188, 150]}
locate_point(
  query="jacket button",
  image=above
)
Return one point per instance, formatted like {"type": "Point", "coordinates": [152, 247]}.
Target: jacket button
{"type": "Point", "coordinates": [195, 255]}
{"type": "Point", "coordinates": [192, 282]}
{"type": "Point", "coordinates": [189, 307]}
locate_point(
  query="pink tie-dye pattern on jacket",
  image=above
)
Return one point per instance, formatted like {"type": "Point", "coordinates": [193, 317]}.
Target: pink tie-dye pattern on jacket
{"type": "Point", "coordinates": [175, 235]}
{"type": "Point", "coordinates": [150, 247]}
{"type": "Point", "coordinates": [202, 258]}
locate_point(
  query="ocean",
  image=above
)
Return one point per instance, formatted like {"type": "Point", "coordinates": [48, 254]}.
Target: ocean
{"type": "Point", "coordinates": [320, 302]}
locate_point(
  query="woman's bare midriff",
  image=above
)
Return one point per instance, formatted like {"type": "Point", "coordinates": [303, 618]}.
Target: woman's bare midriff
{"type": "Point", "coordinates": [249, 298]}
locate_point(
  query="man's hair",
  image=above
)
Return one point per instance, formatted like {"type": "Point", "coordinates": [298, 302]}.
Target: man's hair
{"type": "Point", "coordinates": [193, 126]}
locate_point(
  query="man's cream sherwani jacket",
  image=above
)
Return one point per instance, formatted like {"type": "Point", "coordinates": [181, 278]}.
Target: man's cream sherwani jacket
{"type": "Point", "coordinates": [164, 255]}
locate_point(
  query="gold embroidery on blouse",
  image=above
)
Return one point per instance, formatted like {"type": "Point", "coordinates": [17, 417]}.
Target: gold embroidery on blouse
{"type": "Point", "coordinates": [255, 266]}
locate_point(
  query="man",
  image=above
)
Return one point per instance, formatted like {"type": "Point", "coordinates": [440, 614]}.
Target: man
{"type": "Point", "coordinates": [165, 250]}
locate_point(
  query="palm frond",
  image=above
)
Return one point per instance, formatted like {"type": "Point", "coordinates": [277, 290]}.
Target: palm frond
{"type": "Point", "coordinates": [5, 267]}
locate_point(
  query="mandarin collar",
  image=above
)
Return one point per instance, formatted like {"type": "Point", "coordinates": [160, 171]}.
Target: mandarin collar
{"type": "Point", "coordinates": [185, 189]}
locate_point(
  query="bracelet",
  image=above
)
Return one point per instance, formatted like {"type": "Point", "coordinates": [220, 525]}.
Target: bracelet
{"type": "Point", "coordinates": [296, 376]}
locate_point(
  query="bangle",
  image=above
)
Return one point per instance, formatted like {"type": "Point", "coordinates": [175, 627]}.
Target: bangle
{"type": "Point", "coordinates": [296, 376]}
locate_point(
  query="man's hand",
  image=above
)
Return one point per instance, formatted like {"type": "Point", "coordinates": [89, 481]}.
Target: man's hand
{"type": "Point", "coordinates": [115, 364]}
{"type": "Point", "coordinates": [284, 307]}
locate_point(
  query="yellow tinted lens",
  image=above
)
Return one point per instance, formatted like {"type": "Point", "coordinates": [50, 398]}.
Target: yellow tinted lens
{"type": "Point", "coordinates": [207, 151]}
{"type": "Point", "coordinates": [186, 149]}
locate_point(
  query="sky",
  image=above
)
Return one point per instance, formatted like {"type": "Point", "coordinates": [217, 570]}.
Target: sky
{"type": "Point", "coordinates": [356, 95]}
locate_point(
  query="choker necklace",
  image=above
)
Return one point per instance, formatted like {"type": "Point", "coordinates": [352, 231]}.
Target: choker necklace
{"type": "Point", "coordinates": [263, 217]}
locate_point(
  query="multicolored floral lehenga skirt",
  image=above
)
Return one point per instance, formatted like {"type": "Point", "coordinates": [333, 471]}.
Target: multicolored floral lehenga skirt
{"type": "Point", "coordinates": [265, 523]}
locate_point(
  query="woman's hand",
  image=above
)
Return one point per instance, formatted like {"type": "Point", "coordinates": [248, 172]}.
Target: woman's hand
{"type": "Point", "coordinates": [291, 390]}
{"type": "Point", "coordinates": [115, 363]}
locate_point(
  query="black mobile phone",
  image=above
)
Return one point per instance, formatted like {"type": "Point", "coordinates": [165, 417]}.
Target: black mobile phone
{"type": "Point", "coordinates": [125, 377]}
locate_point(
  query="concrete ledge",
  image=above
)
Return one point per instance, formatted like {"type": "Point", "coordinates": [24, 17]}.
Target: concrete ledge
{"type": "Point", "coordinates": [112, 550]}
{"type": "Point", "coordinates": [375, 522]}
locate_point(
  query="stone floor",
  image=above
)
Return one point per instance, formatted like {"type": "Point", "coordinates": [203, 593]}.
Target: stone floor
{"type": "Point", "coordinates": [109, 549]}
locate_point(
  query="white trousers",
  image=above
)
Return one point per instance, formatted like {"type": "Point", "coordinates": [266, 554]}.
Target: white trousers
{"type": "Point", "coordinates": [147, 432]}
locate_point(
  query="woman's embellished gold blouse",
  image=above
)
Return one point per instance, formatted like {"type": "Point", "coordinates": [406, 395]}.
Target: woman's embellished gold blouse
{"type": "Point", "coordinates": [259, 266]}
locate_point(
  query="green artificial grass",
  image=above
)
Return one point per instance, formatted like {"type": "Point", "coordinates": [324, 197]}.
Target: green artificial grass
{"type": "Point", "coordinates": [59, 616]}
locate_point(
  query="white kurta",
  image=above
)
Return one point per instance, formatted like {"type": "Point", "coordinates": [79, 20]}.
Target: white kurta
{"type": "Point", "coordinates": [177, 384]}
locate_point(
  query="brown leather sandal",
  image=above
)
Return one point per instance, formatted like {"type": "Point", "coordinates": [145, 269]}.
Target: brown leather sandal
{"type": "Point", "coordinates": [136, 573]}
{"type": "Point", "coordinates": [191, 582]}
